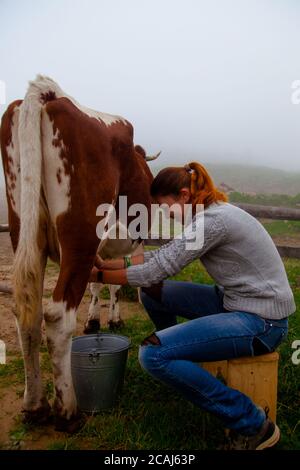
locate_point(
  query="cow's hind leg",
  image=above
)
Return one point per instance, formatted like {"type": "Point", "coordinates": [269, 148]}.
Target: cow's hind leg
{"type": "Point", "coordinates": [60, 325]}
{"type": "Point", "coordinates": [60, 320]}
{"type": "Point", "coordinates": [35, 406]}
{"type": "Point", "coordinates": [93, 321]}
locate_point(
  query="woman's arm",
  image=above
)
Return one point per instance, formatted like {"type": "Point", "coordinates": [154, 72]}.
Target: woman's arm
{"type": "Point", "coordinates": [115, 276]}
{"type": "Point", "coordinates": [171, 258]}
{"type": "Point", "coordinates": [118, 263]}
{"type": "Point", "coordinates": [151, 272]}
{"type": "Point", "coordinates": [113, 271]}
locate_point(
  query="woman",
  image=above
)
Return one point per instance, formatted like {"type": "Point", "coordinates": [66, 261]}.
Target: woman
{"type": "Point", "coordinates": [244, 313]}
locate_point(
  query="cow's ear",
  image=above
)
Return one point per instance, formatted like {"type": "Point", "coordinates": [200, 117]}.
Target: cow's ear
{"type": "Point", "coordinates": [140, 150]}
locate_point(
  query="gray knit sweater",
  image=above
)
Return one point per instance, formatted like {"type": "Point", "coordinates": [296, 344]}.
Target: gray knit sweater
{"type": "Point", "coordinates": [239, 255]}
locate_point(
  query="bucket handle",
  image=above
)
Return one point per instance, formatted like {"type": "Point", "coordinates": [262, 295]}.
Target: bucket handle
{"type": "Point", "coordinates": [94, 357]}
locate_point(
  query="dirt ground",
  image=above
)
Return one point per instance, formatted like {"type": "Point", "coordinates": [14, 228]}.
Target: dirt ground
{"type": "Point", "coordinates": [11, 396]}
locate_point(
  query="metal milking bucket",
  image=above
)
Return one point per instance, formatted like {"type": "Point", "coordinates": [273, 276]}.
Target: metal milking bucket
{"type": "Point", "coordinates": [98, 365]}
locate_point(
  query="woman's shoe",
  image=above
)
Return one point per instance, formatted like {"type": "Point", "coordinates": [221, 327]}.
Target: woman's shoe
{"type": "Point", "coordinates": [267, 436]}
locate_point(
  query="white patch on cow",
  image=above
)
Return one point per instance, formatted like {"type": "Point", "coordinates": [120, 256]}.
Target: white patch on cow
{"type": "Point", "coordinates": [55, 181]}
{"type": "Point", "coordinates": [114, 310]}
{"type": "Point", "coordinates": [94, 308]}
{"type": "Point", "coordinates": [60, 325]}
{"type": "Point", "coordinates": [30, 343]}
{"type": "Point", "coordinates": [45, 84]}
{"type": "Point", "coordinates": [108, 119]}
{"type": "Point", "coordinates": [13, 174]}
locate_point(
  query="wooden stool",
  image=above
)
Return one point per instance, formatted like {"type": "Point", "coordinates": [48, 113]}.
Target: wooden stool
{"type": "Point", "coordinates": [254, 376]}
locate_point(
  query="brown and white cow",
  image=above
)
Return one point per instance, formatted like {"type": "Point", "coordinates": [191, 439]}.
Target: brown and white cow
{"type": "Point", "coordinates": [61, 160]}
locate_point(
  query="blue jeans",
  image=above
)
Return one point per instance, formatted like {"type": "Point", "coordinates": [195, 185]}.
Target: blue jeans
{"type": "Point", "coordinates": [212, 334]}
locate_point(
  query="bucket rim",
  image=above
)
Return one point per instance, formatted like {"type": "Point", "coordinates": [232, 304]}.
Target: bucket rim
{"type": "Point", "coordinates": [97, 335]}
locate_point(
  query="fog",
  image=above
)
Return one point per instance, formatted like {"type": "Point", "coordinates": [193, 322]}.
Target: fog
{"type": "Point", "coordinates": [206, 80]}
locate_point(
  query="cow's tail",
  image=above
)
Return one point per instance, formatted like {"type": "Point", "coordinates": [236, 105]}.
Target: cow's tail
{"type": "Point", "coordinates": [27, 269]}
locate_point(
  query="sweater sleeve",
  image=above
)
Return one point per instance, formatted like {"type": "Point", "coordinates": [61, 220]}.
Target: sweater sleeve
{"type": "Point", "coordinates": [150, 253]}
{"type": "Point", "coordinates": [172, 257]}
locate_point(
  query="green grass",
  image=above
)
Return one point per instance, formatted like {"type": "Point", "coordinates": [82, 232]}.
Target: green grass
{"type": "Point", "coordinates": [63, 445]}
{"type": "Point", "coordinates": [19, 433]}
{"type": "Point", "coordinates": [279, 200]}
{"type": "Point", "coordinates": [149, 415]}
{"type": "Point", "coordinates": [12, 372]}
{"type": "Point", "coordinates": [289, 228]}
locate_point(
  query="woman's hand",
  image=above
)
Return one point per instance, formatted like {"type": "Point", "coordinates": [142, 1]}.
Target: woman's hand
{"type": "Point", "coordinates": [94, 275]}
{"type": "Point", "coordinates": [116, 264]}
{"type": "Point", "coordinates": [115, 276]}
{"type": "Point", "coordinates": [99, 262]}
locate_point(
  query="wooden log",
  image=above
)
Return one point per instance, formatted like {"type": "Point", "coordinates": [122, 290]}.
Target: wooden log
{"type": "Point", "coordinates": [270, 212]}
{"type": "Point", "coordinates": [4, 228]}
{"type": "Point", "coordinates": [5, 289]}
{"type": "Point", "coordinates": [289, 251]}
{"type": "Point", "coordinates": [284, 251]}
{"type": "Point", "coordinates": [256, 377]}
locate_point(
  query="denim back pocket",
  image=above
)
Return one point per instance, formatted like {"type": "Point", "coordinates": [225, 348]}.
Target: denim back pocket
{"type": "Point", "coordinates": [271, 338]}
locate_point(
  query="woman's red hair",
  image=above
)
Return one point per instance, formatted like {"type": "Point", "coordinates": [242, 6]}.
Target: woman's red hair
{"type": "Point", "coordinates": [194, 176]}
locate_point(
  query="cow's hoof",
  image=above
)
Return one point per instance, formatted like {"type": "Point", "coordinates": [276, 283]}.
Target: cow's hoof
{"type": "Point", "coordinates": [116, 325]}
{"type": "Point", "coordinates": [41, 415]}
{"type": "Point", "coordinates": [72, 425]}
{"type": "Point", "coordinates": [91, 327]}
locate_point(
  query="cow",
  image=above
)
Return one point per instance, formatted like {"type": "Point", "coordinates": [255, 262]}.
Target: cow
{"type": "Point", "coordinates": [61, 161]}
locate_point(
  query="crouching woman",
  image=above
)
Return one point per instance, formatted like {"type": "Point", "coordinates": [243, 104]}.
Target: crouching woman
{"type": "Point", "coordinates": [244, 313]}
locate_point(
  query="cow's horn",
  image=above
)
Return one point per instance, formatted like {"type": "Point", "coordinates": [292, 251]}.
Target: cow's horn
{"type": "Point", "coordinates": [152, 157]}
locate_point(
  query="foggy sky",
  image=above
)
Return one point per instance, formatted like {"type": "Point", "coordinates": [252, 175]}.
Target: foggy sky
{"type": "Point", "coordinates": [209, 80]}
